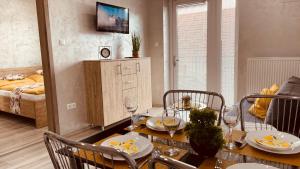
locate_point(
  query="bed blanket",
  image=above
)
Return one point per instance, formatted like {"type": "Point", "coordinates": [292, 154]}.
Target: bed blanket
{"type": "Point", "coordinates": [15, 97]}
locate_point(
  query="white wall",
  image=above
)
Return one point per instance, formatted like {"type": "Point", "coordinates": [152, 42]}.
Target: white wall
{"type": "Point", "coordinates": [268, 28]}
{"type": "Point", "coordinates": [73, 21]}
{"type": "Point", "coordinates": [19, 37]}
{"type": "Point", "coordinates": [156, 49]}
{"type": "Point", "coordinates": [166, 42]}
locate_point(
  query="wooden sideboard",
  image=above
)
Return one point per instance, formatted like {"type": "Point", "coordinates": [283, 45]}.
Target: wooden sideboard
{"type": "Point", "coordinates": [109, 82]}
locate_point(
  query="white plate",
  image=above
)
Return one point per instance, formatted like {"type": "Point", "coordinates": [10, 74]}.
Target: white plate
{"type": "Point", "coordinates": [179, 105]}
{"type": "Point", "coordinates": [147, 151]}
{"type": "Point", "coordinates": [259, 134]}
{"type": "Point", "coordinates": [151, 124]}
{"type": "Point", "coordinates": [250, 166]}
{"type": "Point", "coordinates": [252, 126]}
{"type": "Point", "coordinates": [144, 145]}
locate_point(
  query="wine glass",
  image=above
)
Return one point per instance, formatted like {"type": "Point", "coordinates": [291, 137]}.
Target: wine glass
{"type": "Point", "coordinates": [171, 121]}
{"type": "Point", "coordinates": [131, 106]}
{"type": "Point", "coordinates": [231, 116]}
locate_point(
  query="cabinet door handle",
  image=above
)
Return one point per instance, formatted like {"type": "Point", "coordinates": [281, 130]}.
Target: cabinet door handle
{"type": "Point", "coordinates": [119, 69]}
{"type": "Point", "coordinates": [128, 82]}
{"type": "Point", "coordinates": [138, 68]}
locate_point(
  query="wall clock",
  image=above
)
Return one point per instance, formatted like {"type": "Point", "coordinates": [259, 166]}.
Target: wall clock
{"type": "Point", "coordinates": [105, 52]}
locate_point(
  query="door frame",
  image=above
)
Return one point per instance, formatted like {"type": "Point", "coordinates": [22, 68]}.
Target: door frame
{"type": "Point", "coordinates": [48, 65]}
{"type": "Point", "coordinates": [214, 12]}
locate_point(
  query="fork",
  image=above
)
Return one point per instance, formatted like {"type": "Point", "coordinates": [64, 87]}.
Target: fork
{"type": "Point", "coordinates": [241, 143]}
{"type": "Point", "coordinates": [143, 162]}
{"type": "Point", "coordinates": [218, 164]}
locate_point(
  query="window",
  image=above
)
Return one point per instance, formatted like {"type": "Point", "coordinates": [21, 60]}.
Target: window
{"type": "Point", "coordinates": [191, 26]}
{"type": "Point", "coordinates": [228, 50]}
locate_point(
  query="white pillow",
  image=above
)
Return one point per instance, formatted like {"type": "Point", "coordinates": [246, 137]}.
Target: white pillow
{"type": "Point", "coordinates": [14, 77]}
{"type": "Point", "coordinates": [40, 72]}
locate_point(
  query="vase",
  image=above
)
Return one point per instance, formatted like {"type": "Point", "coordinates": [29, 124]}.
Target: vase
{"type": "Point", "coordinates": [203, 150]}
{"type": "Point", "coordinates": [135, 54]}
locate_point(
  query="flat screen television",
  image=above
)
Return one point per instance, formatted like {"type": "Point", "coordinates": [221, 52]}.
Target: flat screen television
{"type": "Point", "coordinates": [112, 18]}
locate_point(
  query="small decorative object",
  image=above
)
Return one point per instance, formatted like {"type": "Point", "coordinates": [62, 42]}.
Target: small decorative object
{"type": "Point", "coordinates": [205, 138]}
{"type": "Point", "coordinates": [105, 52]}
{"type": "Point", "coordinates": [136, 43]}
{"type": "Point", "coordinates": [186, 102]}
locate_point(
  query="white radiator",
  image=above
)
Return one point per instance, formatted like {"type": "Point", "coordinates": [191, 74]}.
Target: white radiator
{"type": "Point", "coordinates": [263, 72]}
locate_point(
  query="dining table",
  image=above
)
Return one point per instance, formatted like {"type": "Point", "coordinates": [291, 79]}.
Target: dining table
{"type": "Point", "coordinates": [162, 141]}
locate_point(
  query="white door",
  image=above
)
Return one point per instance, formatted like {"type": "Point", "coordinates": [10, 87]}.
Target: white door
{"type": "Point", "coordinates": [190, 44]}
{"type": "Point", "coordinates": [203, 46]}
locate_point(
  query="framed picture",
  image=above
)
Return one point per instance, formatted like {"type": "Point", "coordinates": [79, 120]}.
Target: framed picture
{"type": "Point", "coordinates": [112, 18]}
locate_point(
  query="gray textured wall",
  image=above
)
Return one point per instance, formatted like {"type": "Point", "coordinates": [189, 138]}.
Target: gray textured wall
{"type": "Point", "coordinates": [19, 38]}
{"type": "Point", "coordinates": [73, 22]}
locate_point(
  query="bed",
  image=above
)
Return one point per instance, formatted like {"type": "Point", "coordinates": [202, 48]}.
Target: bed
{"type": "Point", "coordinates": [32, 106]}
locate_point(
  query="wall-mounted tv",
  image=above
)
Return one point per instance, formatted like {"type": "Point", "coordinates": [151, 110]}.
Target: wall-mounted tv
{"type": "Point", "coordinates": [112, 18]}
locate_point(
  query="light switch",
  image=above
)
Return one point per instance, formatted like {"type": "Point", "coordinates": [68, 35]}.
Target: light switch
{"type": "Point", "coordinates": [62, 42]}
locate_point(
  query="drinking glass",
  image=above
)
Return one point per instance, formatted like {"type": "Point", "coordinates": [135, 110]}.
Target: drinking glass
{"type": "Point", "coordinates": [131, 106]}
{"type": "Point", "coordinates": [171, 121]}
{"type": "Point", "coordinates": [231, 116]}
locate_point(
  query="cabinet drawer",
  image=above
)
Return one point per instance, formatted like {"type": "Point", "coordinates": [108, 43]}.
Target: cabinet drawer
{"type": "Point", "coordinates": [129, 81]}
{"type": "Point", "coordinates": [128, 67]}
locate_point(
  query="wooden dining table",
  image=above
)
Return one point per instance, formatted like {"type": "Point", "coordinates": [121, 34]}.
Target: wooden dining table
{"type": "Point", "coordinates": [223, 158]}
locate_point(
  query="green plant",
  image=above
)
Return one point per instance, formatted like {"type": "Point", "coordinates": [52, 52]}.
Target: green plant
{"type": "Point", "coordinates": [205, 137]}
{"type": "Point", "coordinates": [136, 42]}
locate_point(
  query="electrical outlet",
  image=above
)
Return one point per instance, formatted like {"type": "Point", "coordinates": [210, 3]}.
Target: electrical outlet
{"type": "Point", "coordinates": [71, 106]}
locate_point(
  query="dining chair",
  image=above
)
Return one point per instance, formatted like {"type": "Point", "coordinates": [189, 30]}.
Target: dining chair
{"type": "Point", "coordinates": [157, 158]}
{"type": "Point", "coordinates": [283, 113]}
{"type": "Point", "coordinates": [68, 154]}
{"type": "Point", "coordinates": [184, 100]}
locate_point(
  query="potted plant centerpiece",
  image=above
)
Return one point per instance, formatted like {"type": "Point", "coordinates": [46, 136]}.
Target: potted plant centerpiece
{"type": "Point", "coordinates": [136, 43]}
{"type": "Point", "coordinates": [205, 137]}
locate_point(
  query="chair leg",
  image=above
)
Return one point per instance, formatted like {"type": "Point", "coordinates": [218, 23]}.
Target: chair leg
{"type": "Point", "coordinates": [76, 164]}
